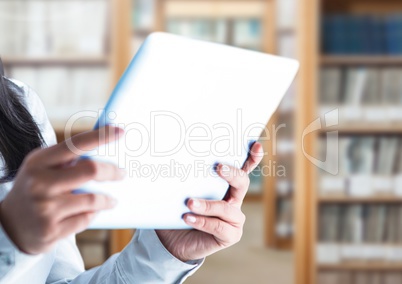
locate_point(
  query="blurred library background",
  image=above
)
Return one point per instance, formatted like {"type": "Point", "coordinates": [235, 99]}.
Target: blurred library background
{"type": "Point", "coordinates": [330, 211]}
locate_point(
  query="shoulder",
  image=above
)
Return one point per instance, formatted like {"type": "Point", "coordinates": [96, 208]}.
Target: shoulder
{"type": "Point", "coordinates": [32, 102]}
{"type": "Point", "coordinates": [28, 96]}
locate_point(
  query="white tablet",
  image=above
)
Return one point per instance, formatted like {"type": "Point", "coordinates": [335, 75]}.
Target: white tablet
{"type": "Point", "coordinates": [185, 105]}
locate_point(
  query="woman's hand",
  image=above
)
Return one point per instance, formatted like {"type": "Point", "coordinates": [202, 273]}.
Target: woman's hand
{"type": "Point", "coordinates": [41, 209]}
{"type": "Point", "coordinates": [217, 224]}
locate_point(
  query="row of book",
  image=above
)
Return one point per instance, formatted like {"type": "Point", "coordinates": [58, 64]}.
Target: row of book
{"type": "Point", "coordinates": [284, 217]}
{"type": "Point", "coordinates": [284, 186]}
{"type": "Point", "coordinates": [65, 91]}
{"type": "Point", "coordinates": [364, 155]}
{"type": "Point", "coordinates": [361, 165]}
{"type": "Point", "coordinates": [143, 14]}
{"type": "Point", "coordinates": [362, 94]}
{"type": "Point", "coordinates": [286, 14]}
{"type": "Point", "coordinates": [362, 34]}
{"type": "Point", "coordinates": [361, 86]}
{"type": "Point", "coordinates": [284, 127]}
{"type": "Point", "coordinates": [359, 233]}
{"type": "Point", "coordinates": [357, 224]}
{"type": "Point", "coordinates": [246, 33]}
{"type": "Point", "coordinates": [359, 277]}
{"type": "Point", "coordinates": [43, 28]}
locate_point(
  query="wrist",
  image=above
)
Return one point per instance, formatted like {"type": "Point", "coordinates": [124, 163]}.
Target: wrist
{"type": "Point", "coordinates": [7, 230]}
{"type": "Point", "coordinates": [169, 240]}
{"type": "Point", "coordinates": [3, 224]}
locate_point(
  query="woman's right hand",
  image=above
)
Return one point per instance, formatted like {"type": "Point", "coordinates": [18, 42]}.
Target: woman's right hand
{"type": "Point", "coordinates": [41, 209]}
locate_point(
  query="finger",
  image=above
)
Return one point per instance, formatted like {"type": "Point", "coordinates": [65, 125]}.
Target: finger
{"type": "Point", "coordinates": [84, 170]}
{"type": "Point", "coordinates": [255, 156]}
{"type": "Point", "coordinates": [70, 205]}
{"type": "Point", "coordinates": [75, 224]}
{"type": "Point", "coordinates": [225, 233]}
{"type": "Point", "coordinates": [76, 146]}
{"type": "Point", "coordinates": [220, 209]}
{"type": "Point", "coordinates": [238, 181]}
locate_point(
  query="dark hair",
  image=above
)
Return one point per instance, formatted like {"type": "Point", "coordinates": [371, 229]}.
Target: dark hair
{"type": "Point", "coordinates": [19, 133]}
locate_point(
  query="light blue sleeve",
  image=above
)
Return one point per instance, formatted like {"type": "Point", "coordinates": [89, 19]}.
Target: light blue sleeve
{"type": "Point", "coordinates": [144, 260]}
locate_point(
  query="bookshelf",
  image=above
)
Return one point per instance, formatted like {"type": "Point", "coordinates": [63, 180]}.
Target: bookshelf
{"type": "Point", "coordinates": [61, 60]}
{"type": "Point", "coordinates": [356, 266]}
{"type": "Point", "coordinates": [361, 60]}
{"type": "Point", "coordinates": [279, 191]}
{"type": "Point", "coordinates": [381, 199]}
{"type": "Point", "coordinates": [360, 248]}
{"type": "Point", "coordinates": [80, 41]}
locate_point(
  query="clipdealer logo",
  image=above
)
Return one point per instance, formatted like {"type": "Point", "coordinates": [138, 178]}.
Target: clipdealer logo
{"type": "Point", "coordinates": [331, 162]}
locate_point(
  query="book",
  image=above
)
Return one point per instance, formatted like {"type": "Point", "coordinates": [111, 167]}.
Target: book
{"type": "Point", "coordinates": [53, 28]}
{"type": "Point", "coordinates": [360, 155]}
{"type": "Point", "coordinates": [398, 158]}
{"type": "Point", "coordinates": [352, 224]}
{"type": "Point", "coordinates": [66, 91]}
{"type": "Point", "coordinates": [361, 277]}
{"type": "Point", "coordinates": [334, 277]}
{"type": "Point", "coordinates": [329, 223]}
{"type": "Point", "coordinates": [364, 34]}
{"type": "Point", "coordinates": [392, 278]}
{"type": "Point", "coordinates": [355, 86]}
{"type": "Point", "coordinates": [36, 28]}
{"type": "Point", "coordinates": [247, 33]}
{"type": "Point", "coordinates": [357, 277]}
{"type": "Point", "coordinates": [393, 24]}
{"type": "Point", "coordinates": [287, 45]}
{"type": "Point", "coordinates": [391, 85]}
{"type": "Point", "coordinates": [285, 10]}
{"type": "Point", "coordinates": [371, 88]}
{"type": "Point", "coordinates": [391, 225]}
{"type": "Point", "coordinates": [143, 14]}
{"type": "Point", "coordinates": [215, 30]}
{"type": "Point", "coordinates": [375, 36]}
{"type": "Point", "coordinates": [284, 227]}
{"type": "Point", "coordinates": [330, 86]}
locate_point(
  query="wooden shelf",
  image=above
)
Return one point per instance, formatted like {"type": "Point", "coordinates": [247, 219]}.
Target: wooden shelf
{"type": "Point", "coordinates": [284, 243]}
{"type": "Point", "coordinates": [253, 197]}
{"type": "Point", "coordinates": [215, 9]}
{"type": "Point", "coordinates": [382, 266]}
{"type": "Point", "coordinates": [307, 196]}
{"type": "Point", "coordinates": [284, 196]}
{"type": "Point", "coordinates": [142, 32]}
{"type": "Point", "coordinates": [286, 31]}
{"type": "Point", "coordinates": [365, 129]}
{"type": "Point", "coordinates": [361, 60]}
{"type": "Point", "coordinates": [353, 199]}
{"type": "Point", "coordinates": [81, 61]}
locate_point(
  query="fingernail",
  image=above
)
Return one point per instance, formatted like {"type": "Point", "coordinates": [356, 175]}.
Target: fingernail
{"type": "Point", "coordinates": [191, 219]}
{"type": "Point", "coordinates": [196, 203]}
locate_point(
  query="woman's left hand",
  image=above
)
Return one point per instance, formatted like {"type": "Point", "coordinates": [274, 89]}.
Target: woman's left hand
{"type": "Point", "coordinates": [217, 224]}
